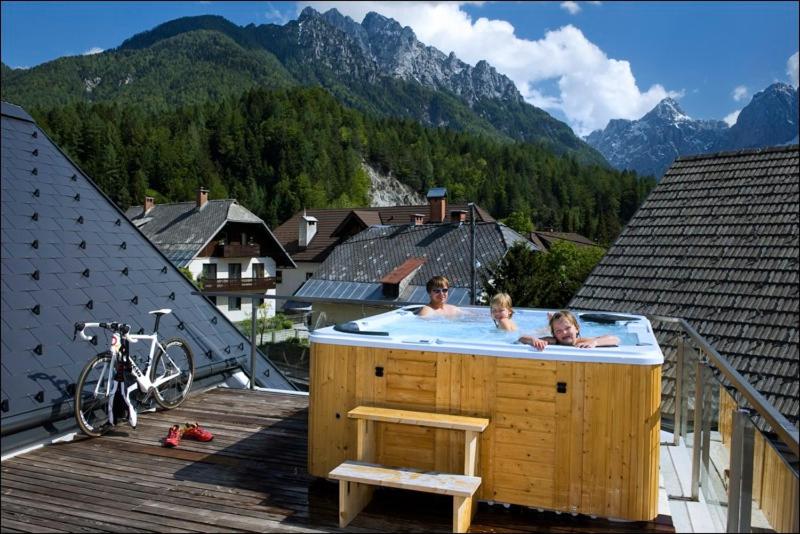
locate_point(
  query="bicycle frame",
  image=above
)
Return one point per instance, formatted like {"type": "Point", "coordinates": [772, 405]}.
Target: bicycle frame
{"type": "Point", "coordinates": [120, 353]}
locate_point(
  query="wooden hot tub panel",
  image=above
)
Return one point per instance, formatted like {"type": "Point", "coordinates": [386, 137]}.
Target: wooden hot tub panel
{"type": "Point", "coordinates": [575, 437]}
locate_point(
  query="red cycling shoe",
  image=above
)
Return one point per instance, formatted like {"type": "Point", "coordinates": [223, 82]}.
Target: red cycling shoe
{"type": "Point", "coordinates": [173, 436]}
{"type": "Point", "coordinates": [194, 431]}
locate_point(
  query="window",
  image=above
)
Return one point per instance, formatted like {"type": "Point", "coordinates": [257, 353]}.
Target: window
{"type": "Point", "coordinates": [234, 273]}
{"type": "Point", "coordinates": [258, 272]}
{"type": "Point", "coordinates": [309, 275]}
{"type": "Point", "coordinates": [278, 277]}
{"type": "Point", "coordinates": [210, 273]}
{"type": "Point", "coordinates": [234, 303]}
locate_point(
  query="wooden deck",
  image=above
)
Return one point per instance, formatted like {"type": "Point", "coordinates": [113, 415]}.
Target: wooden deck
{"type": "Point", "coordinates": [251, 478]}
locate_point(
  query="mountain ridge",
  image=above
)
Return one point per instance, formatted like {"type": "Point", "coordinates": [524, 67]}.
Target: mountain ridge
{"type": "Point", "coordinates": [650, 144]}
{"type": "Point", "coordinates": [377, 66]}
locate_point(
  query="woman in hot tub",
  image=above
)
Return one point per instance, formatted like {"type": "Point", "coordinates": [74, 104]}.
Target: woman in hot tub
{"type": "Point", "coordinates": [437, 288]}
{"type": "Point", "coordinates": [566, 331]}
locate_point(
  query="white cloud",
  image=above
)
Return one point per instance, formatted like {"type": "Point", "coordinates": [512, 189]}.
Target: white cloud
{"type": "Point", "coordinates": [592, 88]}
{"type": "Point", "coordinates": [572, 7]}
{"type": "Point", "coordinates": [731, 117]}
{"type": "Point", "coordinates": [276, 15]}
{"type": "Point", "coordinates": [92, 51]}
{"type": "Point", "coordinates": [739, 93]}
{"type": "Point", "coordinates": [791, 68]}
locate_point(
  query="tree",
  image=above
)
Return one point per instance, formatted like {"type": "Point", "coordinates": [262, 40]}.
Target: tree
{"type": "Point", "coordinates": [519, 221]}
{"type": "Point", "coordinates": [542, 279]}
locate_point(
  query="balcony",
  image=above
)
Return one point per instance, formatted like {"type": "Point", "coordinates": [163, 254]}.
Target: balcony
{"type": "Point", "coordinates": [239, 284]}
{"type": "Point", "coordinates": [237, 250]}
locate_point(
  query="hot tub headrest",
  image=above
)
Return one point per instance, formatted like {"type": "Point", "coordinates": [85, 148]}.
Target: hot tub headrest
{"type": "Point", "coordinates": [351, 327]}
{"type": "Point", "coordinates": [606, 318]}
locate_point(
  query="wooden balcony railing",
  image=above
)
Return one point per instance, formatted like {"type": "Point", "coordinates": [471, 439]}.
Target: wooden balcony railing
{"type": "Point", "coordinates": [238, 284]}
{"type": "Point", "coordinates": [236, 250]}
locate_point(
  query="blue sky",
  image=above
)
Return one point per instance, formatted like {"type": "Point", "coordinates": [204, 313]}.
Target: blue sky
{"type": "Point", "coordinates": [584, 62]}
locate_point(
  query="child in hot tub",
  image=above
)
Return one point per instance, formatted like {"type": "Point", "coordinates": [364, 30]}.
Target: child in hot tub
{"type": "Point", "coordinates": [566, 331]}
{"type": "Point", "coordinates": [502, 312]}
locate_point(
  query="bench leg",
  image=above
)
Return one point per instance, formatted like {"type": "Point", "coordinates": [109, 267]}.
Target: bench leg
{"type": "Point", "coordinates": [353, 497]}
{"type": "Point", "coordinates": [462, 513]}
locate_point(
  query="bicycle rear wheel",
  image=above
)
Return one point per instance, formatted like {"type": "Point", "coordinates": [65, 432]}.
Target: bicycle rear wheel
{"type": "Point", "coordinates": [91, 396]}
{"type": "Point", "coordinates": [176, 361]}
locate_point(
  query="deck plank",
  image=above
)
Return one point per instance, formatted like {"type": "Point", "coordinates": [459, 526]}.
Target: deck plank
{"type": "Point", "coordinates": [251, 477]}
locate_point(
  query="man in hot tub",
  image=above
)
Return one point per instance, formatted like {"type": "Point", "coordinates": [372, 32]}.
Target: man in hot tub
{"type": "Point", "coordinates": [566, 331]}
{"type": "Point", "coordinates": [437, 288]}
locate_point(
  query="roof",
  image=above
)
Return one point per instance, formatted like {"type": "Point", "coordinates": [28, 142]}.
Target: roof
{"type": "Point", "coordinates": [63, 262]}
{"type": "Point", "coordinates": [181, 229]}
{"type": "Point", "coordinates": [716, 242]}
{"type": "Point", "coordinates": [333, 223]}
{"type": "Point", "coordinates": [354, 269]}
{"type": "Point", "coordinates": [545, 240]}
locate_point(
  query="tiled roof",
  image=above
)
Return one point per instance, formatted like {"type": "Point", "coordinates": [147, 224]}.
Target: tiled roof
{"type": "Point", "coordinates": [717, 243]}
{"type": "Point", "coordinates": [545, 240]}
{"type": "Point", "coordinates": [63, 261]}
{"type": "Point", "coordinates": [331, 223]}
{"type": "Point", "coordinates": [356, 266]}
{"type": "Point", "coordinates": [182, 229]}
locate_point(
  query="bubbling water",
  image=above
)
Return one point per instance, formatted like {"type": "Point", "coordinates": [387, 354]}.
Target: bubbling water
{"type": "Point", "coordinates": [479, 327]}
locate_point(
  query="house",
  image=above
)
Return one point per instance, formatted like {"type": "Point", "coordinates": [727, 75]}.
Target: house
{"type": "Point", "coordinates": [717, 242]}
{"type": "Point", "coordinates": [384, 266]}
{"type": "Point", "coordinates": [69, 255]}
{"type": "Point", "coordinates": [220, 242]}
{"type": "Point", "coordinates": [310, 236]}
{"type": "Point", "coordinates": [546, 239]}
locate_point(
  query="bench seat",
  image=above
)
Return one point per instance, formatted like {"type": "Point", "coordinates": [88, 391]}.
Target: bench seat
{"type": "Point", "coordinates": [407, 478]}
{"type": "Point", "coordinates": [356, 481]}
{"type": "Point", "coordinates": [408, 417]}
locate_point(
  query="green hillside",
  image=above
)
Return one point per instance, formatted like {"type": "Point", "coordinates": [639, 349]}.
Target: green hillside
{"type": "Point", "coordinates": [280, 151]}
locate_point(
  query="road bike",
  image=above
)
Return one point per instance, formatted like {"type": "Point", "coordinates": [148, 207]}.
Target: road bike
{"type": "Point", "coordinates": [112, 385]}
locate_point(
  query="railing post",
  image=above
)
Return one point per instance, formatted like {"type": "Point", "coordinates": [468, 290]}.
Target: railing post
{"type": "Point", "coordinates": [678, 400]}
{"type": "Point", "coordinates": [253, 344]}
{"type": "Point", "coordinates": [699, 441]}
{"type": "Point", "coordinates": [740, 486]}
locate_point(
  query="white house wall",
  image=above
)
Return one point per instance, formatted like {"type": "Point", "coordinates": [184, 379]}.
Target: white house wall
{"type": "Point", "coordinates": [196, 268]}
{"type": "Point", "coordinates": [294, 278]}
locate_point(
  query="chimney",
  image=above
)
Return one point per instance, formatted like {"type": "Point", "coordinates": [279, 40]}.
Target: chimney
{"type": "Point", "coordinates": [458, 216]}
{"type": "Point", "coordinates": [417, 218]}
{"type": "Point", "coordinates": [437, 200]}
{"type": "Point", "coordinates": [307, 230]}
{"type": "Point", "coordinates": [394, 283]}
{"type": "Point", "coordinates": [149, 203]}
{"type": "Point", "coordinates": [202, 197]}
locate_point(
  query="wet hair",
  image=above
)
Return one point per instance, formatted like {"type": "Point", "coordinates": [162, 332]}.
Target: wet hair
{"type": "Point", "coordinates": [564, 314]}
{"type": "Point", "coordinates": [502, 300]}
{"type": "Point", "coordinates": [437, 282]}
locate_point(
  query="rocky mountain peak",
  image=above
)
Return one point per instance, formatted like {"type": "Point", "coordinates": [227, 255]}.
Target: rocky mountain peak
{"type": "Point", "coordinates": [667, 110]}
{"type": "Point", "coordinates": [650, 144]}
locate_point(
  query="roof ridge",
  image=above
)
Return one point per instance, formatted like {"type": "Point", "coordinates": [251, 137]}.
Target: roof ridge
{"type": "Point", "coordinates": [740, 152]}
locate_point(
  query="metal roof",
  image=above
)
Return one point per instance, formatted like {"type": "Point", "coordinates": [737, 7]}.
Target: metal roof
{"type": "Point", "coordinates": [717, 242]}
{"type": "Point", "coordinates": [353, 269]}
{"type": "Point", "coordinates": [63, 261]}
{"type": "Point", "coordinates": [181, 229]}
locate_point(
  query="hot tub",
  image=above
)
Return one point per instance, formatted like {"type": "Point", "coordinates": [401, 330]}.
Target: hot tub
{"type": "Point", "coordinates": [571, 429]}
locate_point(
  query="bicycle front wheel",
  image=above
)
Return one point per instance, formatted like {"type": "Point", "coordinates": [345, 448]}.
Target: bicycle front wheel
{"type": "Point", "coordinates": [173, 372]}
{"type": "Point", "coordinates": [91, 396]}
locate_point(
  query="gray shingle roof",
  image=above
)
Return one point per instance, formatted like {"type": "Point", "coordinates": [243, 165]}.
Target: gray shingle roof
{"type": "Point", "coordinates": [354, 268]}
{"type": "Point", "coordinates": [717, 243]}
{"type": "Point", "coordinates": [182, 229]}
{"type": "Point", "coordinates": [62, 262]}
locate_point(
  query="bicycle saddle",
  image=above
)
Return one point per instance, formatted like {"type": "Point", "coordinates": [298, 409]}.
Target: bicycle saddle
{"type": "Point", "coordinates": [160, 312]}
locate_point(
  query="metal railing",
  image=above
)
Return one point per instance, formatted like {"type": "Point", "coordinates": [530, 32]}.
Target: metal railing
{"type": "Point", "coordinates": [712, 371]}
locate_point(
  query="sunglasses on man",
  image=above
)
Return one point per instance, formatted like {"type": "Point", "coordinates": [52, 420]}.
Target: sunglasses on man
{"type": "Point", "coordinates": [440, 290]}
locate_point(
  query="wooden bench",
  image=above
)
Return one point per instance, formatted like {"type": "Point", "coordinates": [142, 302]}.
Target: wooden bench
{"type": "Point", "coordinates": [357, 478]}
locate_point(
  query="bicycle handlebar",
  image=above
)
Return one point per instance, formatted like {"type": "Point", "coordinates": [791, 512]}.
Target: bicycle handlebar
{"type": "Point", "coordinates": [121, 328]}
